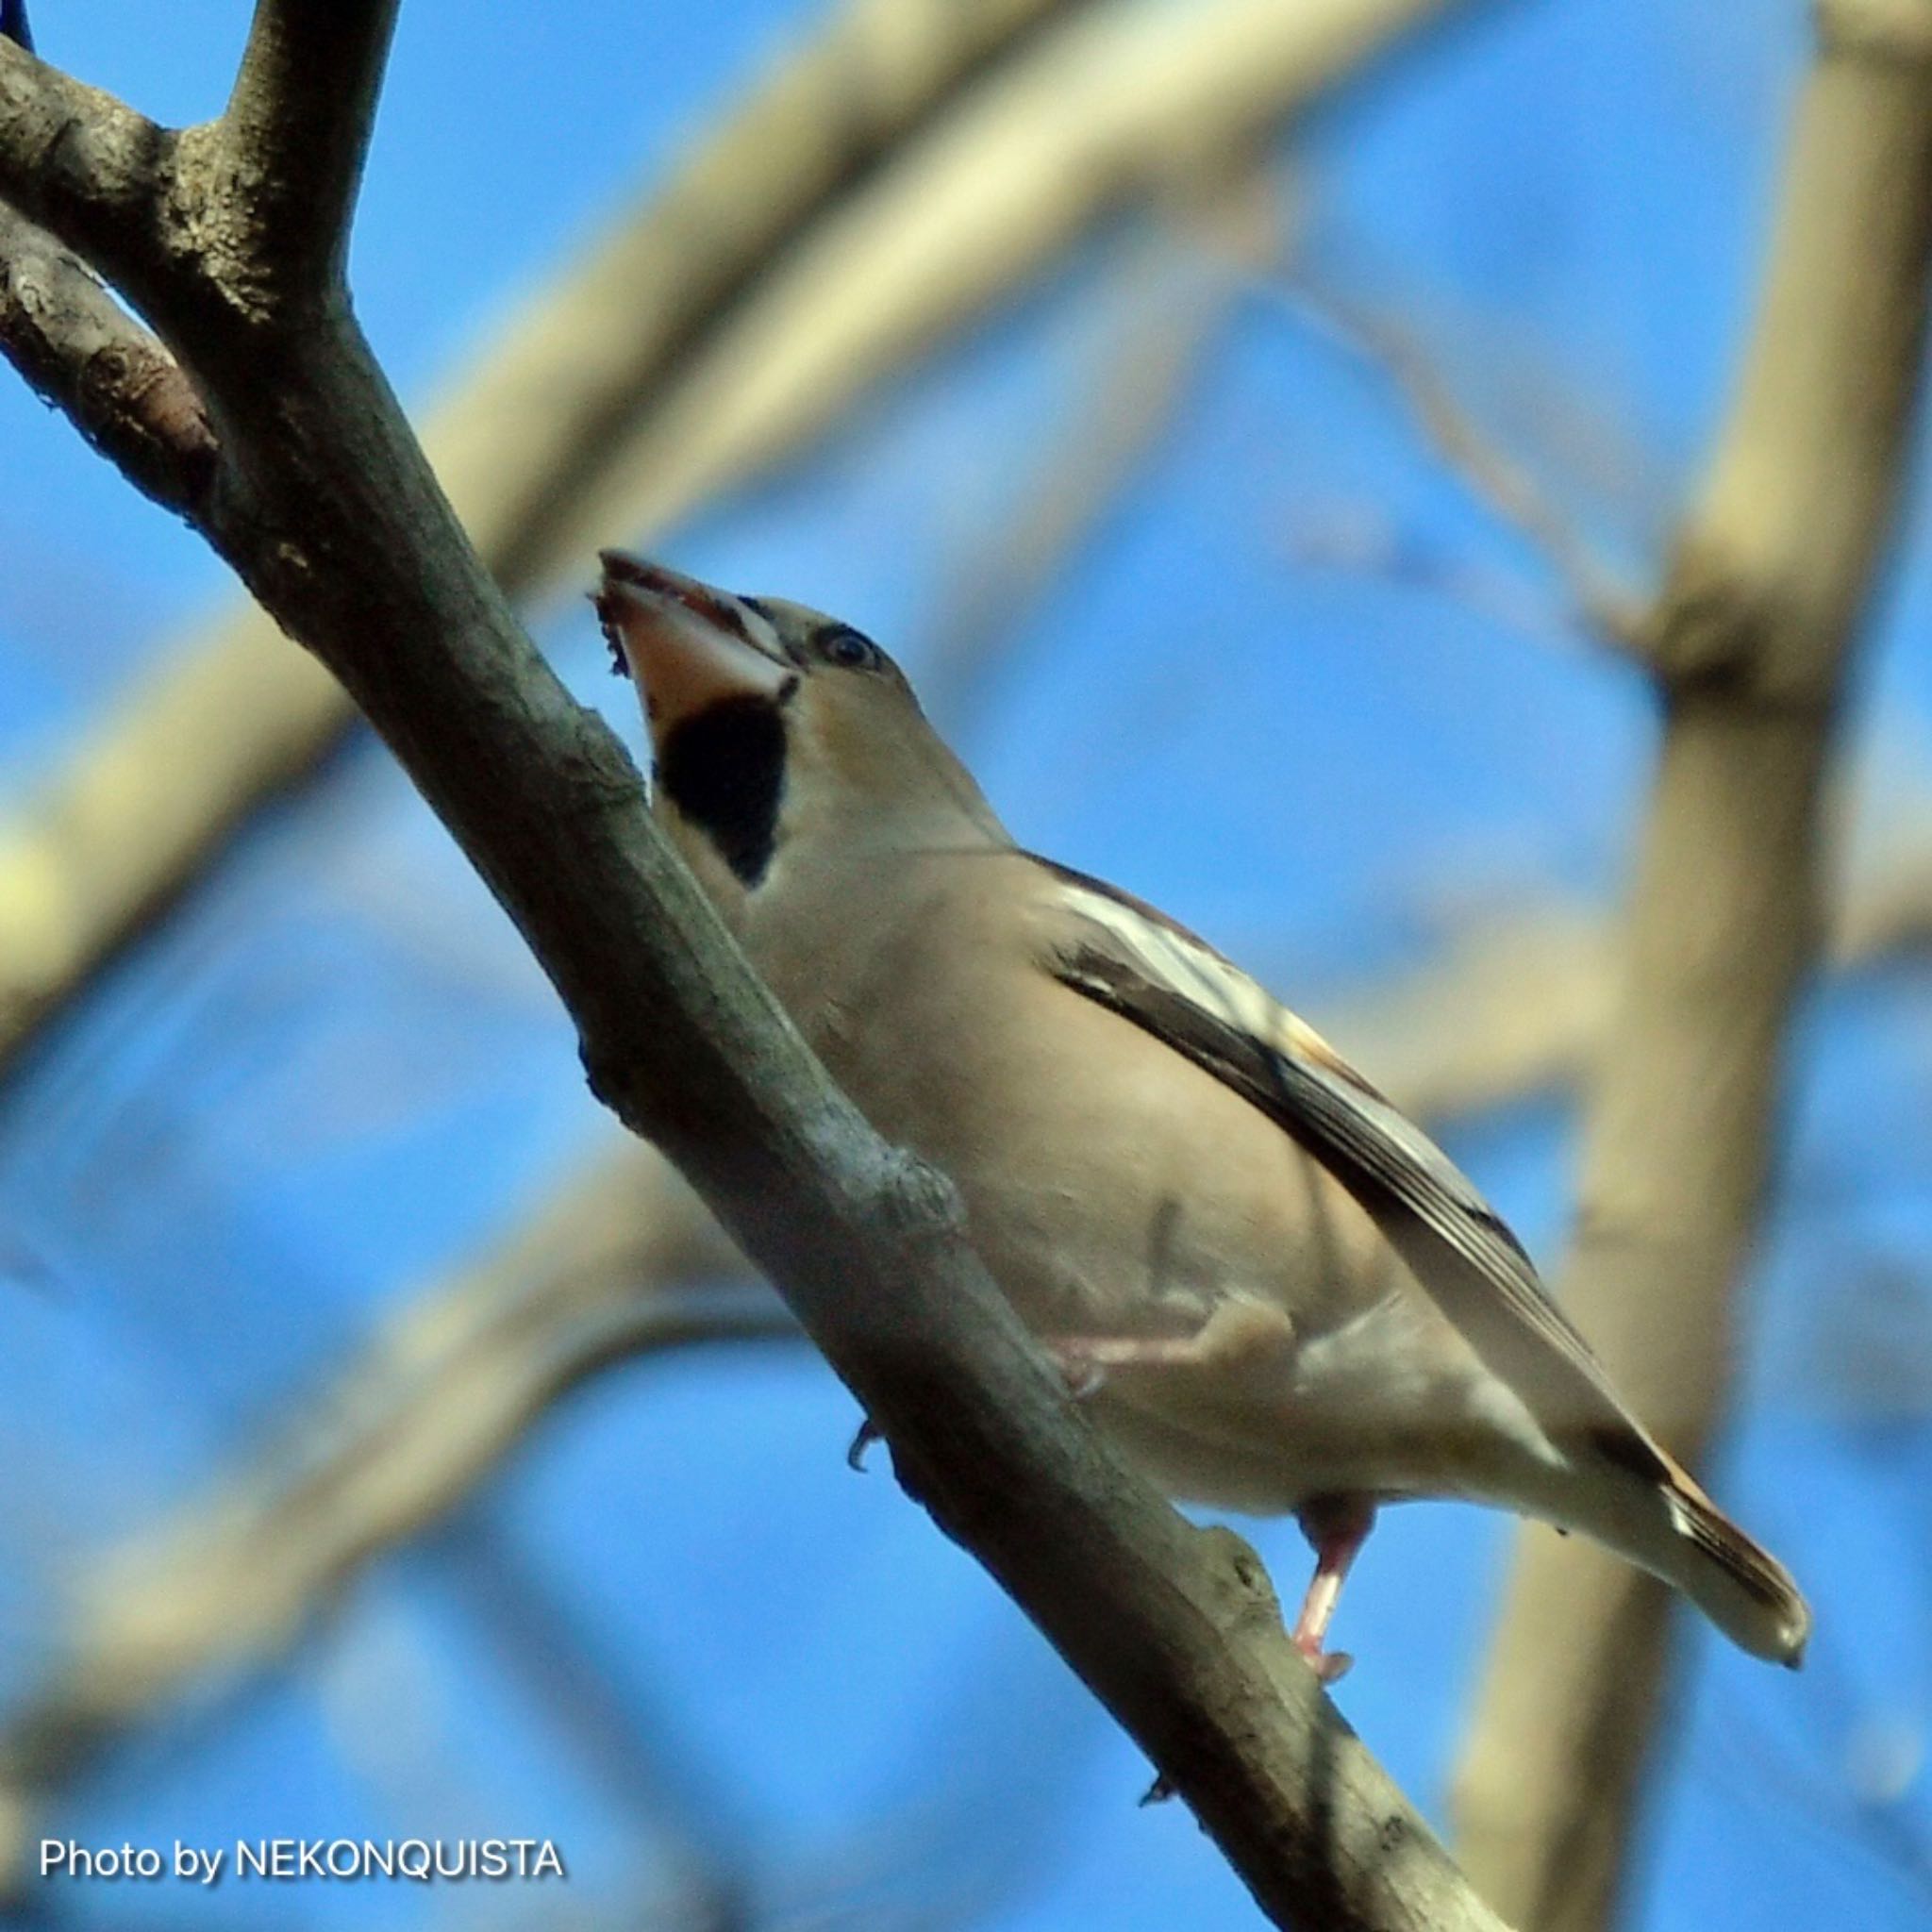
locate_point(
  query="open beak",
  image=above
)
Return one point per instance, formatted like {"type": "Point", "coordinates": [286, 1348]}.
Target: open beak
{"type": "Point", "coordinates": [685, 644]}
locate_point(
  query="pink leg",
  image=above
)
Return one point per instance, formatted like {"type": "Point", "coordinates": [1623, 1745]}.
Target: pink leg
{"type": "Point", "coordinates": [1338, 1526]}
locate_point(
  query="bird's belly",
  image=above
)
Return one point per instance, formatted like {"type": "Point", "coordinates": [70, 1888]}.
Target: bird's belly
{"type": "Point", "coordinates": [1113, 1188]}
{"type": "Point", "coordinates": [1116, 1191]}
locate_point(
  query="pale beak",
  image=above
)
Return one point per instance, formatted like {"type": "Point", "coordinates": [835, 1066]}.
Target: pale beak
{"type": "Point", "coordinates": [687, 645]}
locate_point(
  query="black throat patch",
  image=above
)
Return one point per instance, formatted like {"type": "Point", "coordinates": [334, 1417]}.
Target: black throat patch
{"type": "Point", "coordinates": [724, 770]}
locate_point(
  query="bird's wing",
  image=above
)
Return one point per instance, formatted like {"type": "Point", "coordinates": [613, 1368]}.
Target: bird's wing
{"type": "Point", "coordinates": [1141, 965]}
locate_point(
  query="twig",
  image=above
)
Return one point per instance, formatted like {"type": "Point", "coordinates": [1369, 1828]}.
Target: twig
{"type": "Point", "coordinates": [1484, 464]}
{"type": "Point", "coordinates": [1175, 285]}
{"type": "Point", "coordinates": [1752, 642]}
{"type": "Point", "coordinates": [336, 523]}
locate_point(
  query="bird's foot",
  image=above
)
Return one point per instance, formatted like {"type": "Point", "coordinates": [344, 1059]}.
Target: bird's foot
{"type": "Point", "coordinates": [1238, 1335]}
{"type": "Point", "coordinates": [1338, 1526]}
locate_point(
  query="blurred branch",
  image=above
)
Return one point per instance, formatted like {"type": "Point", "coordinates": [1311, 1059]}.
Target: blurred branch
{"type": "Point", "coordinates": [704, 1850]}
{"type": "Point", "coordinates": [803, 253]}
{"type": "Point", "coordinates": [329, 512]}
{"type": "Point", "coordinates": [1751, 642]}
{"type": "Point", "coordinates": [1526, 1004]}
{"type": "Point", "coordinates": [1484, 466]}
{"type": "Point", "coordinates": [1177, 285]}
{"type": "Point", "coordinates": [449, 1386]}
{"type": "Point", "coordinates": [1114, 108]}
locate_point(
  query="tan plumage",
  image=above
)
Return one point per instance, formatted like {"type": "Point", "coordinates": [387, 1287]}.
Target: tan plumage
{"type": "Point", "coordinates": [1278, 1292]}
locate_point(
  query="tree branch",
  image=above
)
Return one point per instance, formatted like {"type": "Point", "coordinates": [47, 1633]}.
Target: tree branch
{"type": "Point", "coordinates": [338, 526]}
{"type": "Point", "coordinates": [1752, 642]}
{"type": "Point", "coordinates": [80, 162]}
{"type": "Point", "coordinates": [79, 350]}
{"type": "Point", "coordinates": [296, 129]}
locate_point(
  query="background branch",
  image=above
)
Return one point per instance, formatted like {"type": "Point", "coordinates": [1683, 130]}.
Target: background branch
{"type": "Point", "coordinates": [342, 532]}
{"type": "Point", "coordinates": [1751, 638]}
{"type": "Point", "coordinates": [449, 1386]}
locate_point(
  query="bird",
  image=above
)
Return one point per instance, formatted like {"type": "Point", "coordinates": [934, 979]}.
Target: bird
{"type": "Point", "coordinates": [1277, 1293]}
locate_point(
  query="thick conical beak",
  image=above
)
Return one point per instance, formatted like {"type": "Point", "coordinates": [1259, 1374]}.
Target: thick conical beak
{"type": "Point", "coordinates": [686, 644]}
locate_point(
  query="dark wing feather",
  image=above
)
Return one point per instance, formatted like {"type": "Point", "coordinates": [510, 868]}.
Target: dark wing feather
{"type": "Point", "coordinates": [1142, 966]}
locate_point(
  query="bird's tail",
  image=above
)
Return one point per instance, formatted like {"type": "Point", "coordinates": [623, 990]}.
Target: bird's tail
{"type": "Point", "coordinates": [1646, 1507]}
{"type": "Point", "coordinates": [1738, 1583]}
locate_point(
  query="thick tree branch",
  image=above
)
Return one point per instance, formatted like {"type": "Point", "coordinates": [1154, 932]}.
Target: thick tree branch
{"type": "Point", "coordinates": [338, 526]}
{"type": "Point", "coordinates": [781, 231]}
{"type": "Point", "coordinates": [81, 164]}
{"type": "Point", "coordinates": [1752, 639]}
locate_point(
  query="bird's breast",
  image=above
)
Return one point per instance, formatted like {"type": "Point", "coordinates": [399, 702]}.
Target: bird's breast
{"type": "Point", "coordinates": [1111, 1185]}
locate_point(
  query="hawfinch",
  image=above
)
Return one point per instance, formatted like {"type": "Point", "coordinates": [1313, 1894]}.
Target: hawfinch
{"type": "Point", "coordinates": [1276, 1292]}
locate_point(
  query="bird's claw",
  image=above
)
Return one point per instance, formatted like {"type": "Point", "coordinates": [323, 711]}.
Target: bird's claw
{"type": "Point", "coordinates": [864, 1437]}
{"type": "Point", "coordinates": [1329, 1666]}
{"type": "Point", "coordinates": [1083, 1376]}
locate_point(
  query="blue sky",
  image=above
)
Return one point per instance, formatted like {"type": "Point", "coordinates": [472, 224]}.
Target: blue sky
{"type": "Point", "coordinates": [1296, 685]}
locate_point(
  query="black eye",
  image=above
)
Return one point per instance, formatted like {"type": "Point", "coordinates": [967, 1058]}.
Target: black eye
{"type": "Point", "coordinates": [848, 649]}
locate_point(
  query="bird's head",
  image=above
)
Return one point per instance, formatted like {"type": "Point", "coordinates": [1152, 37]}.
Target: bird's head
{"type": "Point", "coordinates": [774, 727]}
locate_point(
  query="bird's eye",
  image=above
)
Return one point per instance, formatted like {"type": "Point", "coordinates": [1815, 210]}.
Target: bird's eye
{"type": "Point", "coordinates": [847, 649]}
